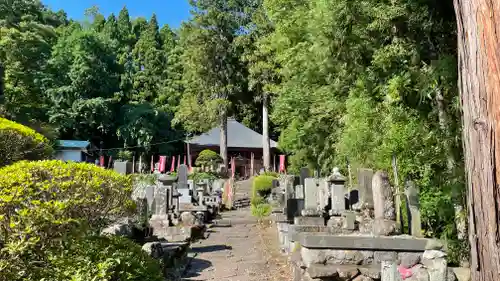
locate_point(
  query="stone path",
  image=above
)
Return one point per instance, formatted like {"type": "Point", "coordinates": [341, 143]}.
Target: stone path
{"type": "Point", "coordinates": [246, 251]}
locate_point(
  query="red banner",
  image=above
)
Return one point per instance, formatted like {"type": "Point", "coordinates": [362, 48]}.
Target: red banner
{"type": "Point", "coordinates": [172, 168]}
{"type": "Point", "coordinates": [101, 161]}
{"type": "Point", "coordinates": [178, 161]}
{"type": "Point", "coordinates": [185, 159]}
{"type": "Point", "coordinates": [282, 163]}
{"type": "Point", "coordinates": [163, 164]}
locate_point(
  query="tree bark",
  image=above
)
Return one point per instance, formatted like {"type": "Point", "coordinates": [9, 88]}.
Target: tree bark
{"type": "Point", "coordinates": [478, 25]}
{"type": "Point", "coordinates": [265, 134]}
{"type": "Point", "coordinates": [223, 138]}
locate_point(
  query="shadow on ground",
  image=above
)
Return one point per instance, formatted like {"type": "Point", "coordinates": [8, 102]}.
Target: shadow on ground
{"type": "Point", "coordinates": [195, 268]}
{"type": "Point", "coordinates": [211, 248]}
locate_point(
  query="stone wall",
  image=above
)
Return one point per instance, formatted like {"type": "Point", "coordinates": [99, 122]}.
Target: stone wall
{"type": "Point", "coordinates": [352, 234]}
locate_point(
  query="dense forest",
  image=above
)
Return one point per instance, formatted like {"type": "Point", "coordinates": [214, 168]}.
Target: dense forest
{"type": "Point", "coordinates": [359, 80]}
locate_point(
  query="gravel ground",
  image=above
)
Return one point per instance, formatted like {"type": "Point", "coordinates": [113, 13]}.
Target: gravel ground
{"type": "Point", "coordinates": [246, 251]}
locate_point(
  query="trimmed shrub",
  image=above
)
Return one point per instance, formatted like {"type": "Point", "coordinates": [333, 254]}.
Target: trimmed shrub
{"type": "Point", "coordinates": [208, 157]}
{"type": "Point", "coordinates": [196, 177]}
{"type": "Point", "coordinates": [262, 185]}
{"type": "Point", "coordinates": [18, 142]}
{"type": "Point", "coordinates": [89, 258]}
{"type": "Point", "coordinates": [45, 200]}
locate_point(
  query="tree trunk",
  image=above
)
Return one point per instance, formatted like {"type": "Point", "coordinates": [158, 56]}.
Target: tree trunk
{"type": "Point", "coordinates": [223, 138]}
{"type": "Point", "coordinates": [478, 25]}
{"type": "Point", "coordinates": [265, 134]}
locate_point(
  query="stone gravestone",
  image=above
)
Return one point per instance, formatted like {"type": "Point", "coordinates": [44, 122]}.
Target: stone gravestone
{"type": "Point", "coordinates": [365, 193]}
{"type": "Point", "coordinates": [183, 185]}
{"type": "Point", "coordinates": [383, 201]}
{"type": "Point", "coordinates": [304, 174]}
{"type": "Point", "coordinates": [323, 194]}
{"type": "Point", "coordinates": [311, 197]}
{"type": "Point", "coordinates": [413, 204]}
{"type": "Point", "coordinates": [168, 181]}
{"type": "Point", "coordinates": [161, 204]}
{"type": "Point", "coordinates": [337, 182]}
{"type": "Point", "coordinates": [150, 195]}
{"type": "Point", "coordinates": [160, 220]}
{"type": "Point", "coordinates": [383, 198]}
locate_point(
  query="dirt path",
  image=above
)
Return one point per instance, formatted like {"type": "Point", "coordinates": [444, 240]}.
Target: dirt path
{"type": "Point", "coordinates": [246, 251]}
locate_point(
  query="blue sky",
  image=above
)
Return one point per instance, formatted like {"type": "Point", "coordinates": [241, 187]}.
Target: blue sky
{"type": "Point", "coordinates": [171, 12]}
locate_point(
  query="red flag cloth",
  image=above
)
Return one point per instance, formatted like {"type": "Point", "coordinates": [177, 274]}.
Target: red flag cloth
{"type": "Point", "coordinates": [282, 163]}
{"type": "Point", "coordinates": [101, 161]}
{"type": "Point", "coordinates": [185, 159]}
{"type": "Point", "coordinates": [178, 161]}
{"type": "Point", "coordinates": [163, 164]}
{"type": "Point", "coordinates": [172, 168]}
{"type": "Point", "coordinates": [152, 163]}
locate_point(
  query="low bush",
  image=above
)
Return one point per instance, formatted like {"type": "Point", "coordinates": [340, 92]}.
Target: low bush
{"type": "Point", "coordinates": [208, 157]}
{"type": "Point", "coordinates": [45, 206]}
{"type": "Point", "coordinates": [124, 155]}
{"type": "Point", "coordinates": [88, 258]}
{"type": "Point", "coordinates": [44, 200]}
{"type": "Point", "coordinates": [18, 142]}
{"type": "Point", "coordinates": [196, 177]}
{"type": "Point", "coordinates": [261, 210]}
{"type": "Point", "coordinates": [271, 174]}
{"type": "Point", "coordinates": [262, 185]}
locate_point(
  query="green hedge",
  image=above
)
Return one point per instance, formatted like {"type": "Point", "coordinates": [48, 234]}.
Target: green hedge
{"type": "Point", "coordinates": [43, 200]}
{"type": "Point", "coordinates": [89, 258]}
{"type": "Point", "coordinates": [45, 204]}
{"type": "Point", "coordinates": [18, 142]}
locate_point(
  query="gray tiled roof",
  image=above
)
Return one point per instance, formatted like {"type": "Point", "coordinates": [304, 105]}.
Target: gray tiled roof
{"type": "Point", "coordinates": [237, 136]}
{"type": "Point", "coordinates": [73, 144]}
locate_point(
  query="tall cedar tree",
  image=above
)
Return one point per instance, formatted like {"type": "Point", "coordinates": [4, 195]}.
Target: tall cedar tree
{"type": "Point", "coordinates": [212, 65]}
{"type": "Point", "coordinates": [479, 83]}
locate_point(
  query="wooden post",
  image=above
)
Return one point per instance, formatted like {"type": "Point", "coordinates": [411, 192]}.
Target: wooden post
{"type": "Point", "coordinates": [133, 164]}
{"type": "Point", "coordinates": [252, 156]}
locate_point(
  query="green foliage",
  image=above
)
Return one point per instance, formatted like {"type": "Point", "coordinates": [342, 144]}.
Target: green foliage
{"type": "Point", "coordinates": [261, 210]}
{"type": "Point", "coordinates": [197, 177]}
{"type": "Point", "coordinates": [262, 185]}
{"type": "Point", "coordinates": [90, 258]}
{"type": "Point", "coordinates": [124, 155]}
{"type": "Point", "coordinates": [207, 157]}
{"type": "Point", "coordinates": [42, 201]}
{"type": "Point", "coordinates": [18, 142]}
{"type": "Point", "coordinates": [271, 174]}
{"type": "Point", "coordinates": [146, 178]}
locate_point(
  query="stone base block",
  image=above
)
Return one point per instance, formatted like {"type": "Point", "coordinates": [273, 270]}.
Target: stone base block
{"type": "Point", "coordinates": [310, 213]}
{"type": "Point", "coordinates": [385, 228]}
{"type": "Point", "coordinates": [327, 256]}
{"type": "Point", "coordinates": [374, 243]}
{"type": "Point", "coordinates": [309, 221]}
{"type": "Point", "coordinates": [279, 217]}
{"type": "Point", "coordinates": [462, 273]}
